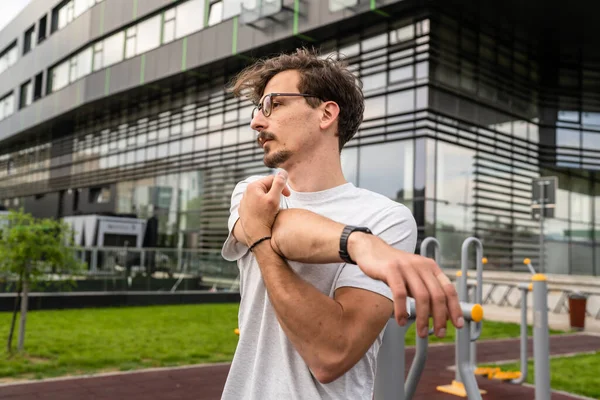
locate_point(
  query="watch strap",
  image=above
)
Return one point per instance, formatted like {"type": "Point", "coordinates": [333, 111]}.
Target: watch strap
{"type": "Point", "coordinates": [344, 255]}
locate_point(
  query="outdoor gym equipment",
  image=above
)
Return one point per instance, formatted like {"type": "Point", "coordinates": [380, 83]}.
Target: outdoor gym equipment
{"type": "Point", "coordinates": [541, 343]}
{"type": "Point", "coordinates": [389, 382]}
{"type": "Point", "coordinates": [464, 383]}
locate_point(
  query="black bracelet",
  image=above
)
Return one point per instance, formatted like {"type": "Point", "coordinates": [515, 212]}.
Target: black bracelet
{"type": "Point", "coordinates": [258, 241]}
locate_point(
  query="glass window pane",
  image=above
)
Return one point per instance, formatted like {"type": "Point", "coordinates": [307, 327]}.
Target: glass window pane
{"type": "Point", "coordinates": [402, 34]}
{"type": "Point", "coordinates": [454, 187]}
{"type": "Point", "coordinates": [113, 49]}
{"type": "Point", "coordinates": [216, 13]}
{"type": "Point", "coordinates": [60, 76]}
{"type": "Point", "coordinates": [80, 7]}
{"type": "Point", "coordinates": [388, 169]}
{"type": "Point", "coordinates": [401, 102]}
{"type": "Point", "coordinates": [374, 81]}
{"type": "Point", "coordinates": [169, 31]}
{"type": "Point", "coordinates": [567, 137]}
{"type": "Point", "coordinates": [148, 35]}
{"type": "Point", "coordinates": [374, 107]}
{"type": "Point", "coordinates": [84, 63]}
{"type": "Point", "coordinates": [401, 73]}
{"type": "Point", "coordinates": [130, 47]}
{"type": "Point", "coordinates": [190, 18]}
{"type": "Point", "coordinates": [337, 5]}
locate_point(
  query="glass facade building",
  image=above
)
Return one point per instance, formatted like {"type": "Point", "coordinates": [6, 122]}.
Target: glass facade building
{"type": "Point", "coordinates": [463, 110]}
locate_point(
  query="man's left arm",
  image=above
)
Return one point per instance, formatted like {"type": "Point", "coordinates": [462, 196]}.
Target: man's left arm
{"type": "Point", "coordinates": [331, 334]}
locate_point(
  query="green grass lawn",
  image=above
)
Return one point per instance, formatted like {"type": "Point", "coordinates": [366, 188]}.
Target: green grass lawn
{"type": "Point", "coordinates": [91, 340]}
{"type": "Point", "coordinates": [575, 374]}
{"type": "Point", "coordinates": [70, 342]}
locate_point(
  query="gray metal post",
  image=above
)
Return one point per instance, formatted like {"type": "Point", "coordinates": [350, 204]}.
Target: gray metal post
{"type": "Point", "coordinates": [541, 341]}
{"type": "Point", "coordinates": [389, 379]}
{"type": "Point", "coordinates": [463, 295]}
{"type": "Point", "coordinates": [542, 194]}
{"type": "Point", "coordinates": [464, 364]}
{"type": "Point", "coordinates": [416, 368]}
{"type": "Point", "coordinates": [524, 291]}
{"type": "Point", "coordinates": [95, 260]}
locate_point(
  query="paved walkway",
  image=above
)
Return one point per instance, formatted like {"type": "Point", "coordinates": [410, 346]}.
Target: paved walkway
{"type": "Point", "coordinates": [206, 382]}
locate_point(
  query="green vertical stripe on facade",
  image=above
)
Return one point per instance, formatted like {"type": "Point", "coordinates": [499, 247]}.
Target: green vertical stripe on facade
{"type": "Point", "coordinates": [373, 5]}
{"type": "Point", "coordinates": [102, 6]}
{"type": "Point", "coordinates": [235, 36]}
{"type": "Point", "coordinates": [135, 4]}
{"type": "Point", "coordinates": [107, 81]}
{"type": "Point", "coordinates": [206, 12]}
{"type": "Point", "coordinates": [296, 15]}
{"type": "Point", "coordinates": [143, 69]}
{"type": "Point", "coordinates": [184, 54]}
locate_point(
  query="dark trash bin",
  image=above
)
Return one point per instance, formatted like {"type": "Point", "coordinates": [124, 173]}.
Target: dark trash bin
{"type": "Point", "coordinates": [577, 307]}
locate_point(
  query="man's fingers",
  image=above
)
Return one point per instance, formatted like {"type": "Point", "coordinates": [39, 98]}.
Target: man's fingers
{"type": "Point", "coordinates": [438, 302]}
{"type": "Point", "coordinates": [279, 183]}
{"type": "Point", "coordinates": [452, 302]}
{"type": "Point", "coordinates": [398, 288]}
{"type": "Point", "coordinates": [420, 293]}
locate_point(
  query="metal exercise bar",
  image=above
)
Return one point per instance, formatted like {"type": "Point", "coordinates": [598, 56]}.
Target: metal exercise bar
{"type": "Point", "coordinates": [389, 383]}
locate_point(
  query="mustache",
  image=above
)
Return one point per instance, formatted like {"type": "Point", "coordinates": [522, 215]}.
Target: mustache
{"type": "Point", "coordinates": [264, 135]}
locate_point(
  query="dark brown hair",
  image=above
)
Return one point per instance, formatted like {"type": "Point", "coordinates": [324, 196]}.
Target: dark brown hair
{"type": "Point", "coordinates": [326, 78]}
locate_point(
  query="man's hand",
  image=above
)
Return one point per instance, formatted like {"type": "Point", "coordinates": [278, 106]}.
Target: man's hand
{"type": "Point", "coordinates": [260, 204]}
{"type": "Point", "coordinates": [409, 275]}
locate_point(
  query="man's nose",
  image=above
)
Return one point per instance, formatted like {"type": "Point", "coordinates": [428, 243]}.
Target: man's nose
{"type": "Point", "coordinates": [259, 121]}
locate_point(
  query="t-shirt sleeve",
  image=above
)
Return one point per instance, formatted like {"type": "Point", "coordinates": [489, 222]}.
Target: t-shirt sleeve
{"type": "Point", "coordinates": [233, 249]}
{"type": "Point", "coordinates": [396, 226]}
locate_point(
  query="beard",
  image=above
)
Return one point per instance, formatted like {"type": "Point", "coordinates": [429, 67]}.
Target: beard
{"type": "Point", "coordinates": [276, 159]}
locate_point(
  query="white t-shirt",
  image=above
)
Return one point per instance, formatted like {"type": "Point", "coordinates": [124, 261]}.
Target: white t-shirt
{"type": "Point", "coordinates": [266, 365]}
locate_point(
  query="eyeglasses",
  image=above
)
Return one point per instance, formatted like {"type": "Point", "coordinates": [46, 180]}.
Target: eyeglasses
{"type": "Point", "coordinates": [266, 104]}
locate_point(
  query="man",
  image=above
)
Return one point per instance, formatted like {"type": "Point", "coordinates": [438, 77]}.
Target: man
{"type": "Point", "coordinates": [323, 264]}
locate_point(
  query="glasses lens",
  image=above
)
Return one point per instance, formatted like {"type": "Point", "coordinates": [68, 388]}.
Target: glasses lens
{"type": "Point", "coordinates": [267, 106]}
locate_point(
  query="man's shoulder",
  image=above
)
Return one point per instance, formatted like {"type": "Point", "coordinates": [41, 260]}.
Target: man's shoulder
{"type": "Point", "coordinates": [377, 201]}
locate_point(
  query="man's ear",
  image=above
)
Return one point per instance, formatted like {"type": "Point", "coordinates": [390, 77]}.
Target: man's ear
{"type": "Point", "coordinates": [331, 111]}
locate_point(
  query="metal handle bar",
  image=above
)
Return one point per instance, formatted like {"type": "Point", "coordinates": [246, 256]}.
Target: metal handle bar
{"type": "Point", "coordinates": [479, 288]}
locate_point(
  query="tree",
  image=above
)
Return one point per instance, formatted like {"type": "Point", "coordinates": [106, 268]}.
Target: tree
{"type": "Point", "coordinates": [33, 251]}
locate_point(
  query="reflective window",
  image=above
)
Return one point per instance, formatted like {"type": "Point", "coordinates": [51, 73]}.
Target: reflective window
{"type": "Point", "coordinates": [454, 187]}
{"type": "Point", "coordinates": [148, 35]}
{"type": "Point", "coordinates": [7, 106]}
{"type": "Point", "coordinates": [401, 73]}
{"type": "Point", "coordinates": [168, 32]}
{"type": "Point", "coordinates": [568, 137]}
{"type": "Point", "coordinates": [401, 102]}
{"type": "Point", "coordinates": [8, 57]}
{"type": "Point", "coordinates": [590, 118]}
{"type": "Point", "coordinates": [26, 96]}
{"type": "Point", "coordinates": [215, 14]}
{"type": "Point", "coordinates": [60, 76]}
{"type": "Point", "coordinates": [29, 40]}
{"type": "Point", "coordinates": [190, 18]}
{"type": "Point", "coordinates": [402, 34]}
{"type": "Point", "coordinates": [388, 169]}
{"type": "Point", "coordinates": [84, 63]}
{"type": "Point", "coordinates": [80, 6]}
{"type": "Point", "coordinates": [97, 60]}
{"type": "Point", "coordinates": [337, 5]}
{"type": "Point", "coordinates": [130, 42]}
{"type": "Point", "coordinates": [113, 49]}
{"type": "Point", "coordinates": [374, 107]}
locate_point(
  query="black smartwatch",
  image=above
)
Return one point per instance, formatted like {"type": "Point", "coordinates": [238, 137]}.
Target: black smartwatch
{"type": "Point", "coordinates": [344, 241]}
